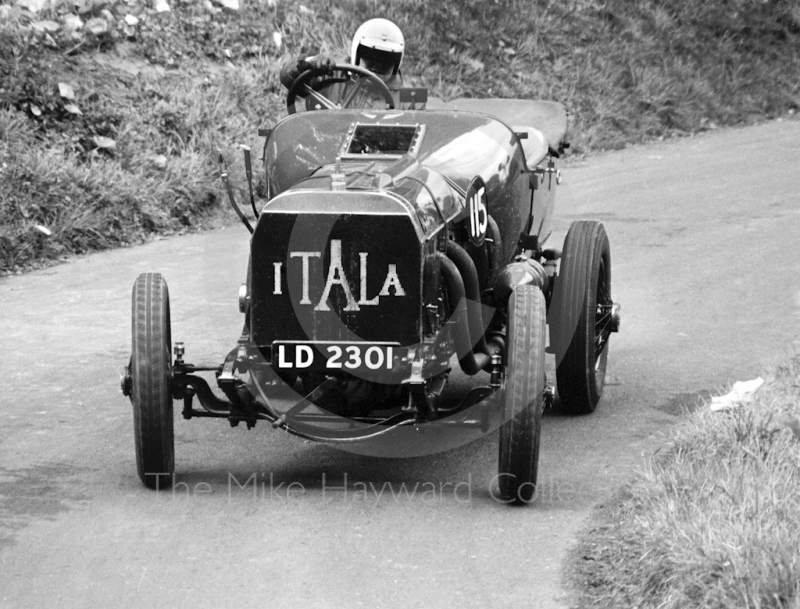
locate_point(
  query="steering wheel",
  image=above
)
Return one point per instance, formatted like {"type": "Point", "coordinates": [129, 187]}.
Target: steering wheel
{"type": "Point", "coordinates": [301, 85]}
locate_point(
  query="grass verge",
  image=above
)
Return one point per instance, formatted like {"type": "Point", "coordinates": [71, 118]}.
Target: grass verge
{"type": "Point", "coordinates": [111, 112]}
{"type": "Point", "coordinates": [714, 519]}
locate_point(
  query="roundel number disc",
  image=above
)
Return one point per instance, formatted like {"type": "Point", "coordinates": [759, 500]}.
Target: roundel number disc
{"type": "Point", "coordinates": [477, 211]}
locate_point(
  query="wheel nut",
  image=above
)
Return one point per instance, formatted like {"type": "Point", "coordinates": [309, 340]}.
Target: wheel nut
{"type": "Point", "coordinates": [125, 381]}
{"type": "Point", "coordinates": [615, 317]}
{"type": "Point", "coordinates": [179, 351]}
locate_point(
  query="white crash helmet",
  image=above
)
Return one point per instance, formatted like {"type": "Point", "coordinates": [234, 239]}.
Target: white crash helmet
{"type": "Point", "coordinates": [379, 42]}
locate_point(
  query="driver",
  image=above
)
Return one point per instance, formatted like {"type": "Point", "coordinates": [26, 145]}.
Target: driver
{"type": "Point", "coordinates": [378, 46]}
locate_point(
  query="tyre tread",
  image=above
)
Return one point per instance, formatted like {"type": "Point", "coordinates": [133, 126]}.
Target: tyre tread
{"type": "Point", "coordinates": [571, 330]}
{"type": "Point", "coordinates": [150, 370]}
{"type": "Point", "coordinates": [520, 433]}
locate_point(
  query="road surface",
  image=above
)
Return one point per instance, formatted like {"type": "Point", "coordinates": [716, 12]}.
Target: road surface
{"type": "Point", "coordinates": [705, 258]}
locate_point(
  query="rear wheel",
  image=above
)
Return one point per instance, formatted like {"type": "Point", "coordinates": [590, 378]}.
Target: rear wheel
{"type": "Point", "coordinates": [524, 394]}
{"type": "Point", "coordinates": [151, 375]}
{"type": "Point", "coordinates": [583, 317]}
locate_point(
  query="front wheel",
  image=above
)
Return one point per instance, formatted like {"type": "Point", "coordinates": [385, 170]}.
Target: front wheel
{"type": "Point", "coordinates": [151, 381]}
{"type": "Point", "coordinates": [583, 317]}
{"type": "Point", "coordinates": [524, 395]}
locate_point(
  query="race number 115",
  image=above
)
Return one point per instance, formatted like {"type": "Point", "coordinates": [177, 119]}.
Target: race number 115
{"type": "Point", "coordinates": [477, 214]}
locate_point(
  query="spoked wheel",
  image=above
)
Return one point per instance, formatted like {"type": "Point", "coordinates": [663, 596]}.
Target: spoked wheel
{"type": "Point", "coordinates": [583, 317]}
{"type": "Point", "coordinates": [524, 395]}
{"type": "Point", "coordinates": [151, 376]}
{"type": "Point", "coordinates": [302, 85]}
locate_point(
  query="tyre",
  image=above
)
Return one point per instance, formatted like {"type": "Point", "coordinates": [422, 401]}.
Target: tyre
{"type": "Point", "coordinates": [151, 375]}
{"type": "Point", "coordinates": [581, 317]}
{"type": "Point", "coordinates": [524, 395]}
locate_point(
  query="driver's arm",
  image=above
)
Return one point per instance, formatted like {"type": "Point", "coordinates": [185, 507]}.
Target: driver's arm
{"type": "Point", "coordinates": [320, 63]}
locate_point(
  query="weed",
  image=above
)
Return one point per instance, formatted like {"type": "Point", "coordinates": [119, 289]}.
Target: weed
{"type": "Point", "coordinates": [175, 86]}
{"type": "Point", "coordinates": [715, 522]}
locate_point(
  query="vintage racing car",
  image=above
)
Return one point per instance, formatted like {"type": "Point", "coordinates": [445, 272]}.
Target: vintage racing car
{"type": "Point", "coordinates": [393, 245]}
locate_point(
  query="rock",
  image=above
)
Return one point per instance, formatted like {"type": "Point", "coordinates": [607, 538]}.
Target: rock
{"type": "Point", "coordinates": [72, 22]}
{"type": "Point", "coordinates": [33, 6]}
{"type": "Point", "coordinates": [793, 423]}
{"type": "Point", "coordinates": [159, 161]}
{"type": "Point", "coordinates": [97, 26]}
{"type": "Point", "coordinates": [46, 26]}
{"type": "Point", "coordinates": [66, 91]}
{"type": "Point", "coordinates": [90, 6]}
{"type": "Point", "coordinates": [105, 143]}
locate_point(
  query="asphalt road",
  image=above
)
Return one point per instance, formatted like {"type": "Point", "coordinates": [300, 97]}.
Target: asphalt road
{"type": "Point", "coordinates": [706, 263]}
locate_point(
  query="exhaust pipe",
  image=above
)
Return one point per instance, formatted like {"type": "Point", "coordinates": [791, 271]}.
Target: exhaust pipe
{"type": "Point", "coordinates": [469, 275]}
{"type": "Point", "coordinates": [470, 361]}
{"type": "Point", "coordinates": [461, 277]}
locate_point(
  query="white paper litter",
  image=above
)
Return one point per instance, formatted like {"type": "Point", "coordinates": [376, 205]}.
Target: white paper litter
{"type": "Point", "coordinates": [741, 391]}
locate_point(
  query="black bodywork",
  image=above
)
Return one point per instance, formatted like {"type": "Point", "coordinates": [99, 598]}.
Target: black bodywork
{"type": "Point", "coordinates": [391, 244]}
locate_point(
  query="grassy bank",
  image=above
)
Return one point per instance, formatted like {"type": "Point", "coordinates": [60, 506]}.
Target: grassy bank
{"type": "Point", "coordinates": [714, 521]}
{"type": "Point", "coordinates": [127, 149]}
